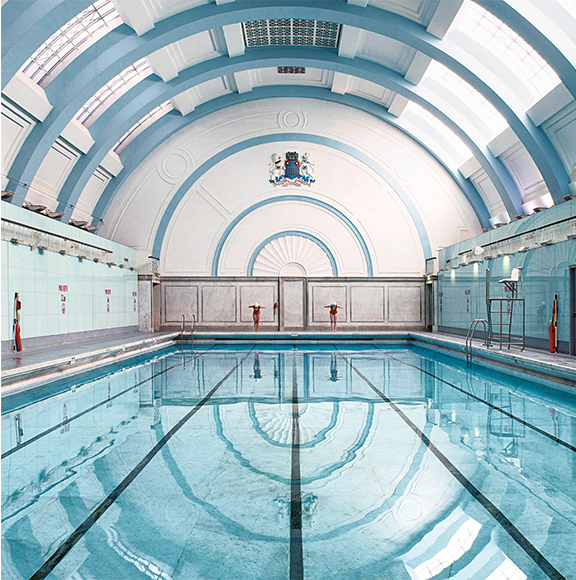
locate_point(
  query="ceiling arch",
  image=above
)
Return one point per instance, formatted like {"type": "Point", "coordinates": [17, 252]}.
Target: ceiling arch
{"type": "Point", "coordinates": [423, 34]}
{"type": "Point", "coordinates": [290, 137]}
{"type": "Point", "coordinates": [127, 110]}
{"type": "Point", "coordinates": [168, 125]}
{"type": "Point", "coordinates": [117, 50]}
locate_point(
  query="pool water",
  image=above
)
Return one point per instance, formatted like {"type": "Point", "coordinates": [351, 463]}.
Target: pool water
{"type": "Point", "coordinates": [308, 462]}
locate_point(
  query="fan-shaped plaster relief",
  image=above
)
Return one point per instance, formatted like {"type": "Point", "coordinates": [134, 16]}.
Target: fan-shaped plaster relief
{"type": "Point", "coordinates": [292, 255]}
{"type": "Point", "coordinates": [270, 219]}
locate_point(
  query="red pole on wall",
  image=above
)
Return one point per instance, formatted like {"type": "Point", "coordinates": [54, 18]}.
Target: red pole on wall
{"type": "Point", "coordinates": [17, 307]}
{"type": "Point", "coordinates": [552, 327]}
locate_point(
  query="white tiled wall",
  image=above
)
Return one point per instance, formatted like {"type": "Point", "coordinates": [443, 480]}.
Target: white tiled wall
{"type": "Point", "coordinates": [38, 277]}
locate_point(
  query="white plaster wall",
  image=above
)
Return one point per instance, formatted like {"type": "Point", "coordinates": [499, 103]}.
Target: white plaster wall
{"type": "Point", "coordinates": [16, 126]}
{"type": "Point", "coordinates": [52, 174]}
{"type": "Point", "coordinates": [242, 180]}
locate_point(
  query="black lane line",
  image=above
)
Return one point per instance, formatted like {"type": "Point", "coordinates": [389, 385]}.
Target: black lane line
{"type": "Point", "coordinates": [480, 400]}
{"type": "Point", "coordinates": [90, 409]}
{"type": "Point", "coordinates": [79, 532]}
{"type": "Point", "coordinates": [512, 530]}
{"type": "Point", "coordinates": [296, 553]}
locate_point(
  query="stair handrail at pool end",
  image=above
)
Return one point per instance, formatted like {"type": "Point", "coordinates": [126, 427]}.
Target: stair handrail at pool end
{"type": "Point", "coordinates": [470, 336]}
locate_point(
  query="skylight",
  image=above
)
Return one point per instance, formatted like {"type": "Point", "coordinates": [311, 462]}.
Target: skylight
{"type": "Point", "coordinates": [569, 6]}
{"type": "Point", "coordinates": [469, 95]}
{"type": "Point", "coordinates": [116, 86]}
{"type": "Point", "coordinates": [501, 40]}
{"type": "Point", "coordinates": [507, 571]}
{"type": "Point", "coordinates": [447, 134]}
{"type": "Point", "coordinates": [458, 545]}
{"type": "Point", "coordinates": [70, 40]}
{"type": "Point", "coordinates": [138, 127]}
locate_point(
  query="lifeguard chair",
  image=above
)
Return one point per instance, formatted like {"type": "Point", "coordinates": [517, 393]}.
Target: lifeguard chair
{"type": "Point", "coordinates": [501, 310]}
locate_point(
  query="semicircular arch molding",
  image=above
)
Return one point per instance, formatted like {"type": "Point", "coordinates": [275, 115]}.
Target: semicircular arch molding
{"type": "Point", "coordinates": [293, 251]}
{"type": "Point", "coordinates": [360, 156]}
{"type": "Point", "coordinates": [168, 125]}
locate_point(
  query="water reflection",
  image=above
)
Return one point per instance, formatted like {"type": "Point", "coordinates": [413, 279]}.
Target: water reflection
{"type": "Point", "coordinates": [373, 498]}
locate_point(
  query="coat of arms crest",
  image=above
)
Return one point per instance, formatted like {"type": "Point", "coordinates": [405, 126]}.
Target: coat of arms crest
{"type": "Point", "coordinates": [291, 171]}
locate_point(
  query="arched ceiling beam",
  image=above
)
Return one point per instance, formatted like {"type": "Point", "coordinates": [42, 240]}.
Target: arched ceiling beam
{"type": "Point", "coordinates": [149, 93]}
{"type": "Point", "coordinates": [173, 122]}
{"type": "Point", "coordinates": [121, 48]}
{"type": "Point", "coordinates": [306, 138]}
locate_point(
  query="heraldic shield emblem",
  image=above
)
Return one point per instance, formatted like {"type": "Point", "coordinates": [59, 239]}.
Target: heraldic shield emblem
{"type": "Point", "coordinates": [291, 171]}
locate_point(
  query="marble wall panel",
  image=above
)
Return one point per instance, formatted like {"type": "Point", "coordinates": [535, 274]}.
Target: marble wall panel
{"type": "Point", "coordinates": [405, 304]}
{"type": "Point", "coordinates": [293, 304]}
{"type": "Point", "coordinates": [219, 304]}
{"type": "Point", "coordinates": [367, 304]}
{"type": "Point", "coordinates": [145, 323]}
{"type": "Point", "coordinates": [325, 295]}
{"type": "Point", "coordinates": [264, 295]}
{"type": "Point", "coordinates": [180, 300]}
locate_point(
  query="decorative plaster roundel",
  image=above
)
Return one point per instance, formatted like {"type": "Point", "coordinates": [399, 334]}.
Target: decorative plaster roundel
{"type": "Point", "coordinates": [176, 165]}
{"type": "Point", "coordinates": [291, 120]}
{"type": "Point", "coordinates": [408, 168]}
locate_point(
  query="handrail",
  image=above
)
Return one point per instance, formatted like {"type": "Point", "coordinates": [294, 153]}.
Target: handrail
{"type": "Point", "coordinates": [470, 337]}
{"type": "Point", "coordinates": [182, 327]}
{"type": "Point", "coordinates": [192, 330]}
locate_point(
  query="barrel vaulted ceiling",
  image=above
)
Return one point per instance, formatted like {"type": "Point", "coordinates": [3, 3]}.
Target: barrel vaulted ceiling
{"type": "Point", "coordinates": [440, 111]}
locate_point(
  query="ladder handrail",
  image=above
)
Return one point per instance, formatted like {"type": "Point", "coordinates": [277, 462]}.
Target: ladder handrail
{"type": "Point", "coordinates": [470, 338]}
{"type": "Point", "coordinates": [182, 327]}
{"type": "Point", "coordinates": [192, 330]}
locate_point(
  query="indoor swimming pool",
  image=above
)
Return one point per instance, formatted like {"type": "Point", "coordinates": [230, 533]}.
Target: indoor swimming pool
{"type": "Point", "coordinates": [332, 462]}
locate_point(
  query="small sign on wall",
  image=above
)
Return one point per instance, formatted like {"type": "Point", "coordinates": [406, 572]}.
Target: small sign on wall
{"type": "Point", "coordinates": [63, 289]}
{"type": "Point", "coordinates": [108, 293]}
{"type": "Point", "coordinates": [467, 293]}
{"type": "Point", "coordinates": [134, 294]}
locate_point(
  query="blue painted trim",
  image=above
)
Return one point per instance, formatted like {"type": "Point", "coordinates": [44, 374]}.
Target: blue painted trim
{"type": "Point", "coordinates": [122, 47]}
{"type": "Point", "coordinates": [26, 25]}
{"type": "Point", "coordinates": [128, 109]}
{"type": "Point", "coordinates": [279, 199]}
{"type": "Point", "coordinates": [173, 122]}
{"type": "Point", "coordinates": [302, 137]}
{"type": "Point", "coordinates": [301, 234]}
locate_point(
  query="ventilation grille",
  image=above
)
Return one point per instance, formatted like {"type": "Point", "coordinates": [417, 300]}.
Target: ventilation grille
{"type": "Point", "coordinates": [291, 70]}
{"type": "Point", "coordinates": [291, 31]}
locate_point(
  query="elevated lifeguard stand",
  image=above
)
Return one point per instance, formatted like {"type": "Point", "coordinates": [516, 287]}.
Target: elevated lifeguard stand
{"type": "Point", "coordinates": [501, 310]}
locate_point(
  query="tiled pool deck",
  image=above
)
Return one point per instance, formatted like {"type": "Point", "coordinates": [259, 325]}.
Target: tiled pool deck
{"type": "Point", "coordinates": [19, 369]}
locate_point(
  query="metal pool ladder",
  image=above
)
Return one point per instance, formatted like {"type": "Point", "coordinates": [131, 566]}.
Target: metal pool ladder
{"type": "Point", "coordinates": [470, 337]}
{"type": "Point", "coordinates": [192, 330]}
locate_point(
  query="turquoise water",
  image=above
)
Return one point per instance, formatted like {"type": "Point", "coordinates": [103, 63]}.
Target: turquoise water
{"type": "Point", "coordinates": [333, 462]}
